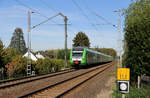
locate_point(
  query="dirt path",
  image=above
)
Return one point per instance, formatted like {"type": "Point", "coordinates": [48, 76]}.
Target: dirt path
{"type": "Point", "coordinates": [107, 91]}
{"type": "Point", "coordinates": [98, 87]}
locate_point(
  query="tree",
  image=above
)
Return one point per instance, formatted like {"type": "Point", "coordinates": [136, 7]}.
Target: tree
{"type": "Point", "coordinates": [137, 38]}
{"type": "Point", "coordinates": [10, 53]}
{"type": "Point", "coordinates": [2, 64]}
{"type": "Point", "coordinates": [108, 51]}
{"type": "Point", "coordinates": [17, 41]}
{"type": "Point", "coordinates": [2, 54]}
{"type": "Point", "coordinates": [6, 56]}
{"type": "Point", "coordinates": [81, 39]}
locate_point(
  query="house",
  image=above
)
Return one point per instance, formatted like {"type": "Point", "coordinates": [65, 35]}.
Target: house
{"type": "Point", "coordinates": [39, 56]}
{"type": "Point", "coordinates": [34, 58]}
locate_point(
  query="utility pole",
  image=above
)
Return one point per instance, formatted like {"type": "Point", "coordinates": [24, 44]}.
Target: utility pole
{"type": "Point", "coordinates": [29, 44]}
{"type": "Point", "coordinates": [120, 38]}
{"type": "Point", "coordinates": [120, 42]}
{"type": "Point", "coordinates": [119, 29]}
{"type": "Point", "coordinates": [65, 19]}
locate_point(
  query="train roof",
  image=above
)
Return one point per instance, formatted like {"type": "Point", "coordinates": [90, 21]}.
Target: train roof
{"type": "Point", "coordinates": [90, 50]}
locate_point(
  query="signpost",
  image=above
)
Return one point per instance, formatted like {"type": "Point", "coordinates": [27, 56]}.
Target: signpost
{"type": "Point", "coordinates": [123, 78]}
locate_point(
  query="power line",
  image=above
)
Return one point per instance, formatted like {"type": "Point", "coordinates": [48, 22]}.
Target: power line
{"type": "Point", "coordinates": [103, 19]}
{"type": "Point", "coordinates": [50, 7]}
{"type": "Point", "coordinates": [54, 10]}
{"type": "Point", "coordinates": [81, 10]}
{"type": "Point", "coordinates": [35, 11]}
{"type": "Point", "coordinates": [30, 8]}
{"type": "Point", "coordinates": [88, 8]}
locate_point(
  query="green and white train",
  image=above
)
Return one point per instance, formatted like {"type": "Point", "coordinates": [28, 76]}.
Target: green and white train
{"type": "Point", "coordinates": [82, 57]}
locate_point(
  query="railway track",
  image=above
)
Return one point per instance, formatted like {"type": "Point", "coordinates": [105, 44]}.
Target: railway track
{"type": "Point", "coordinates": [33, 87]}
{"type": "Point", "coordinates": [23, 80]}
{"type": "Point", "coordinates": [25, 77]}
{"type": "Point", "coordinates": [63, 87]}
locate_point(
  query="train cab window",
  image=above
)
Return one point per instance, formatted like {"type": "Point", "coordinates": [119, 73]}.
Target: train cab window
{"type": "Point", "coordinates": [77, 54]}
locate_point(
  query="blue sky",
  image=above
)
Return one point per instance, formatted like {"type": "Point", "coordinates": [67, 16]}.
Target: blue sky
{"type": "Point", "coordinates": [13, 14]}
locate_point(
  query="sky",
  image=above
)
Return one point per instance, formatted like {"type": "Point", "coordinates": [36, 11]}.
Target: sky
{"type": "Point", "coordinates": [50, 35]}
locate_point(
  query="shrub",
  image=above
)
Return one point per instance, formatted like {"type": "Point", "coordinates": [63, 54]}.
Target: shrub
{"type": "Point", "coordinates": [48, 65]}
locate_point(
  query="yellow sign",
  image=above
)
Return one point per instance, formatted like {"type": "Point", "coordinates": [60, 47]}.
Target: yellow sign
{"type": "Point", "coordinates": [123, 74]}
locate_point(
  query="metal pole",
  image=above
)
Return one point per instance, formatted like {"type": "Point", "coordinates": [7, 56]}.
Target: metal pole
{"type": "Point", "coordinates": [119, 12]}
{"type": "Point", "coordinates": [29, 45]}
{"type": "Point", "coordinates": [120, 39]}
{"type": "Point", "coordinates": [65, 42]}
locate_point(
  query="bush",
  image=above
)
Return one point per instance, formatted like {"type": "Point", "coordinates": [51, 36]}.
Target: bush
{"type": "Point", "coordinates": [48, 65]}
{"type": "Point", "coordinates": [61, 54]}
{"type": "Point", "coordinates": [18, 66]}
{"type": "Point", "coordinates": [43, 66]}
{"type": "Point", "coordinates": [57, 64]}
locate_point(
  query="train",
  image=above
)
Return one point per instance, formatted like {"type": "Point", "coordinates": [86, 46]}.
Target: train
{"type": "Point", "coordinates": [83, 56]}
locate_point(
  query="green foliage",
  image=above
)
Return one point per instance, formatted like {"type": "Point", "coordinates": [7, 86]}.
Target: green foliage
{"type": "Point", "coordinates": [57, 64]}
{"type": "Point", "coordinates": [81, 39]}
{"type": "Point", "coordinates": [48, 65]}
{"type": "Point", "coordinates": [108, 51]}
{"type": "Point", "coordinates": [43, 65]}
{"type": "Point", "coordinates": [2, 54]}
{"type": "Point", "coordinates": [137, 38]}
{"type": "Point", "coordinates": [17, 66]}
{"type": "Point", "coordinates": [17, 41]}
{"type": "Point", "coordinates": [134, 93]}
{"type": "Point", "coordinates": [61, 54]}
{"type": "Point", "coordinates": [10, 53]}
{"type": "Point", "coordinates": [6, 56]}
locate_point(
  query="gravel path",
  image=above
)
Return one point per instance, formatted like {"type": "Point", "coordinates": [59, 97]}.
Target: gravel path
{"type": "Point", "coordinates": [98, 87]}
{"type": "Point", "coordinates": [56, 90]}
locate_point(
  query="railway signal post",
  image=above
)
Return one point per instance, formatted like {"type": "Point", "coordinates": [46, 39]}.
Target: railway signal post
{"type": "Point", "coordinates": [123, 77]}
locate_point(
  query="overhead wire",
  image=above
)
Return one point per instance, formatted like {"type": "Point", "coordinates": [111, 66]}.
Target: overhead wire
{"type": "Point", "coordinates": [50, 7]}
{"type": "Point", "coordinates": [87, 7]}
{"type": "Point", "coordinates": [83, 13]}
{"type": "Point", "coordinates": [19, 2]}
{"type": "Point", "coordinates": [35, 11]}
{"type": "Point", "coordinates": [99, 16]}
{"type": "Point", "coordinates": [56, 11]}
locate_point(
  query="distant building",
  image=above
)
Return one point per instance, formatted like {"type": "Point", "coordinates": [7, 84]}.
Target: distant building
{"type": "Point", "coordinates": [34, 58]}
{"type": "Point", "coordinates": [39, 56]}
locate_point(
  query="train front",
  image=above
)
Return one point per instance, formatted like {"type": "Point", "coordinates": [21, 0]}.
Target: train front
{"type": "Point", "coordinates": [78, 57]}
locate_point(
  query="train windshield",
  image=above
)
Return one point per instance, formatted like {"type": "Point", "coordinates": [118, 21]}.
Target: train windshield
{"type": "Point", "coordinates": [77, 54]}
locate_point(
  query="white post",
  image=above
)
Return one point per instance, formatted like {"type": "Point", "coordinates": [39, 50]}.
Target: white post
{"type": "Point", "coordinates": [123, 95]}
{"type": "Point", "coordinates": [139, 81]}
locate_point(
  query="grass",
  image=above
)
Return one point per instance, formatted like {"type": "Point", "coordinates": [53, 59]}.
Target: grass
{"type": "Point", "coordinates": [133, 93]}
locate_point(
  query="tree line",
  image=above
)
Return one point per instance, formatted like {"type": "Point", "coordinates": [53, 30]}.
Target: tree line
{"type": "Point", "coordinates": [137, 39]}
